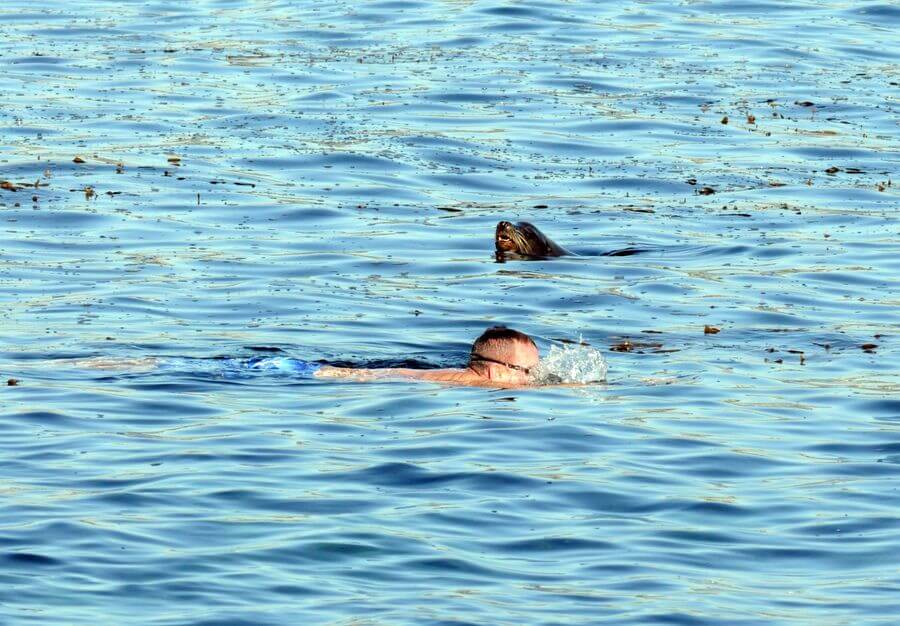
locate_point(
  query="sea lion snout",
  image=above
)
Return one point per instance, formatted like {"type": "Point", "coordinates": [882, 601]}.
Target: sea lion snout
{"type": "Point", "coordinates": [503, 237]}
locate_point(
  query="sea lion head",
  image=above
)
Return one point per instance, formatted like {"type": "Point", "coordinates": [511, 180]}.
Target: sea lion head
{"type": "Point", "coordinates": [523, 239]}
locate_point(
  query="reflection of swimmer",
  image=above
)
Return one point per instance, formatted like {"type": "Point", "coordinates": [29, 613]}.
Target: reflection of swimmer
{"type": "Point", "coordinates": [500, 357]}
{"type": "Point", "coordinates": [524, 240]}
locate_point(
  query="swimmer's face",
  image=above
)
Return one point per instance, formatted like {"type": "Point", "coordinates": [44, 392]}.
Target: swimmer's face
{"type": "Point", "coordinates": [525, 355]}
{"type": "Point", "coordinates": [508, 361]}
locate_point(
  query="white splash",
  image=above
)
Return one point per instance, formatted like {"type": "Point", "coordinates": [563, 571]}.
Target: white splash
{"type": "Point", "coordinates": [571, 363]}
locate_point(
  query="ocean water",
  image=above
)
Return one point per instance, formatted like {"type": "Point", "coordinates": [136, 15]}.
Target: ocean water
{"type": "Point", "coordinates": [322, 181]}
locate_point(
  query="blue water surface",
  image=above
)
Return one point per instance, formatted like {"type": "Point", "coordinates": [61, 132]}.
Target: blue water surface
{"type": "Point", "coordinates": [323, 179]}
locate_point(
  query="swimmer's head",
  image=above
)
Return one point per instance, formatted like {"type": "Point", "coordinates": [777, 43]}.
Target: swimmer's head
{"type": "Point", "coordinates": [504, 354]}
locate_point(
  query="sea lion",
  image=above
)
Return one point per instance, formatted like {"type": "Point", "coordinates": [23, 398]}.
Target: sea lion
{"type": "Point", "coordinates": [524, 240]}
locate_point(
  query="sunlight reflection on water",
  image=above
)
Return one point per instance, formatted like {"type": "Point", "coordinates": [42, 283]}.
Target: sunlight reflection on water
{"type": "Point", "coordinates": [321, 181]}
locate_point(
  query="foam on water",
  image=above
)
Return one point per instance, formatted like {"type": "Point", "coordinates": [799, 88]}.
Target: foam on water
{"type": "Point", "coordinates": [573, 363]}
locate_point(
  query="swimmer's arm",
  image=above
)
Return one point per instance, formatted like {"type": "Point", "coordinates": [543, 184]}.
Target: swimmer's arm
{"type": "Point", "coordinates": [353, 373]}
{"type": "Point", "coordinates": [360, 374]}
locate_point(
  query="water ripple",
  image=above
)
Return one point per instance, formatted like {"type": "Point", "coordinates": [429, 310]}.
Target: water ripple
{"type": "Point", "coordinates": [218, 178]}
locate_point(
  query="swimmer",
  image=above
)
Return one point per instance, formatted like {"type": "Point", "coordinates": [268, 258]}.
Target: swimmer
{"type": "Point", "coordinates": [500, 357]}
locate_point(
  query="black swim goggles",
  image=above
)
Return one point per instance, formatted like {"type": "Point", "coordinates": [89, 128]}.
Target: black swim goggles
{"type": "Point", "coordinates": [478, 357]}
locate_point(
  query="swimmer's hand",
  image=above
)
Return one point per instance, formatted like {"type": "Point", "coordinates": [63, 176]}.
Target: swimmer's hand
{"type": "Point", "coordinates": [329, 371]}
{"type": "Point", "coordinates": [112, 363]}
